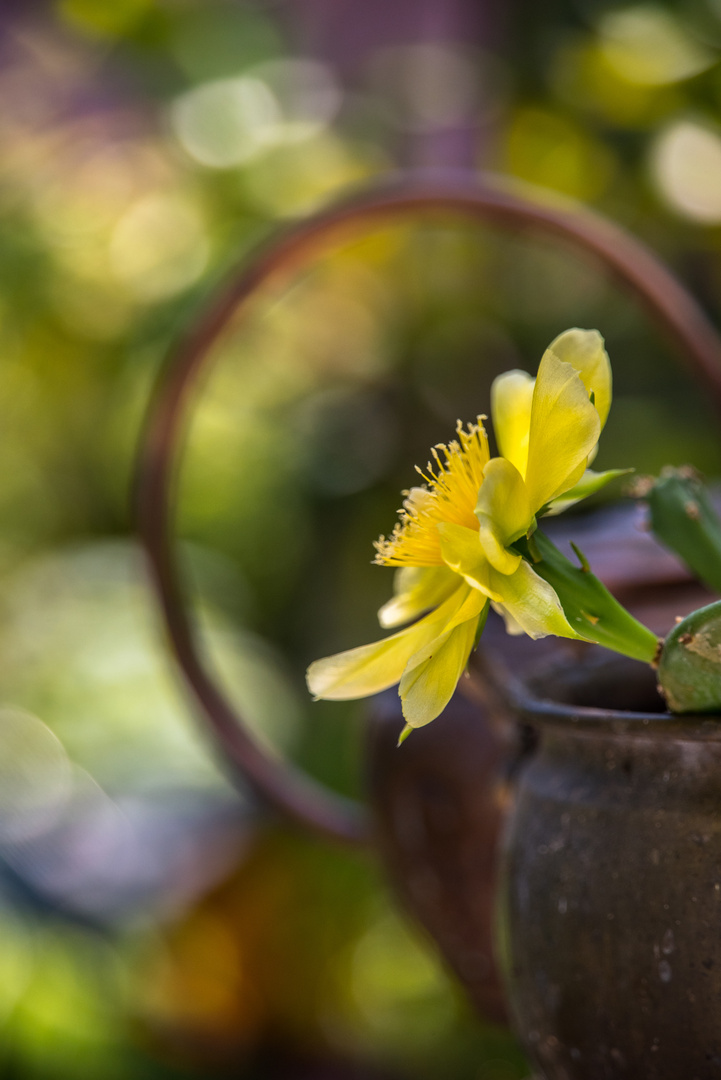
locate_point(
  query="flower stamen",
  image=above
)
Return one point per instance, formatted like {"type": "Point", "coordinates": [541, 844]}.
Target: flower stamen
{"type": "Point", "coordinates": [450, 494]}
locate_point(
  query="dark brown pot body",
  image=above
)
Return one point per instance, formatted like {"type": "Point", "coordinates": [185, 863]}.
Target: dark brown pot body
{"type": "Point", "coordinates": [610, 900]}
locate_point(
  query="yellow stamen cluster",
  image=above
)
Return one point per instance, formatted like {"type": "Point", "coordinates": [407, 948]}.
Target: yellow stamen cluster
{"type": "Point", "coordinates": [450, 494]}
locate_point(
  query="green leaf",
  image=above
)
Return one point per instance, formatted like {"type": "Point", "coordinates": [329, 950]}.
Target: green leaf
{"type": "Point", "coordinates": [589, 607]}
{"type": "Point", "coordinates": [589, 484]}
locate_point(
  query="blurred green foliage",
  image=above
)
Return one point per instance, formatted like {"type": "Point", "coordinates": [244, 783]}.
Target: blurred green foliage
{"type": "Point", "coordinates": [148, 927]}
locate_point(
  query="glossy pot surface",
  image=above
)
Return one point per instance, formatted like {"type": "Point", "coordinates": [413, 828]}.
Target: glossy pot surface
{"type": "Point", "coordinates": [610, 900]}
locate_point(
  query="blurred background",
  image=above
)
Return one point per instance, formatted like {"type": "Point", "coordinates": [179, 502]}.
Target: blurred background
{"type": "Point", "coordinates": [154, 922]}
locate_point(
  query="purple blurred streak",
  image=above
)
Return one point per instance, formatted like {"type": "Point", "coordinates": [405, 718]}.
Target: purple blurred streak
{"type": "Point", "coordinates": [348, 34]}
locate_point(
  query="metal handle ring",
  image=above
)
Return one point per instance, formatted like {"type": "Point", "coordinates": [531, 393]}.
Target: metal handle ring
{"type": "Point", "coordinates": [462, 194]}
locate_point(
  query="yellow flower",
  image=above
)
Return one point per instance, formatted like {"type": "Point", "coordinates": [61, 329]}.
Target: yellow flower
{"type": "Point", "coordinates": [454, 541]}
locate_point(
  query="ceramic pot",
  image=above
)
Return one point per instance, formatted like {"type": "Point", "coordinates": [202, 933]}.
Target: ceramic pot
{"type": "Point", "coordinates": [610, 894]}
{"type": "Point", "coordinates": [440, 803]}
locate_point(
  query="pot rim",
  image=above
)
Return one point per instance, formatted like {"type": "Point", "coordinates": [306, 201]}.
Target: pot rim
{"type": "Point", "coordinates": [550, 713]}
{"type": "Point", "coordinates": [540, 711]}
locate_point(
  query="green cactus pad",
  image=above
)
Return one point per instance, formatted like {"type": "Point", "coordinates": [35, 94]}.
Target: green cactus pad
{"type": "Point", "coordinates": [689, 668]}
{"type": "Point", "coordinates": [684, 519]}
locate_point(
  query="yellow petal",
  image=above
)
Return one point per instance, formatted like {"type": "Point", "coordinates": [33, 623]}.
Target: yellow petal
{"type": "Point", "coordinates": [416, 589]}
{"type": "Point", "coordinates": [585, 351]}
{"type": "Point", "coordinates": [532, 603]}
{"type": "Point", "coordinates": [564, 429]}
{"type": "Point", "coordinates": [512, 627]}
{"type": "Point", "coordinates": [471, 606]}
{"type": "Point", "coordinates": [371, 668]}
{"type": "Point", "coordinates": [511, 396]}
{"type": "Point", "coordinates": [462, 552]}
{"type": "Point", "coordinates": [432, 674]}
{"type": "Point", "coordinates": [491, 540]}
{"type": "Point", "coordinates": [504, 513]}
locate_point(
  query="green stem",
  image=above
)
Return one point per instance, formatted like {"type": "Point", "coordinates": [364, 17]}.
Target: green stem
{"type": "Point", "coordinates": [588, 605]}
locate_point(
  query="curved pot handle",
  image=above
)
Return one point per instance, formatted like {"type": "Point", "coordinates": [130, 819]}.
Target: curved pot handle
{"type": "Point", "coordinates": [483, 197]}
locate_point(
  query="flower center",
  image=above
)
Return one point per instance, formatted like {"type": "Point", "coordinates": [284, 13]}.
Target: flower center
{"type": "Point", "coordinates": [450, 494]}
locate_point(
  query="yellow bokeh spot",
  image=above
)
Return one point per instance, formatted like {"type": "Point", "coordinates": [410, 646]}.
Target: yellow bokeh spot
{"type": "Point", "coordinates": [295, 179]}
{"type": "Point", "coordinates": [103, 18]}
{"type": "Point", "coordinates": [646, 45]}
{"type": "Point", "coordinates": [686, 165]}
{"type": "Point", "coordinates": [548, 149]}
{"type": "Point", "coordinates": [398, 985]}
{"type": "Point", "coordinates": [583, 76]}
{"type": "Point", "coordinates": [159, 246]}
{"type": "Point", "coordinates": [226, 122]}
